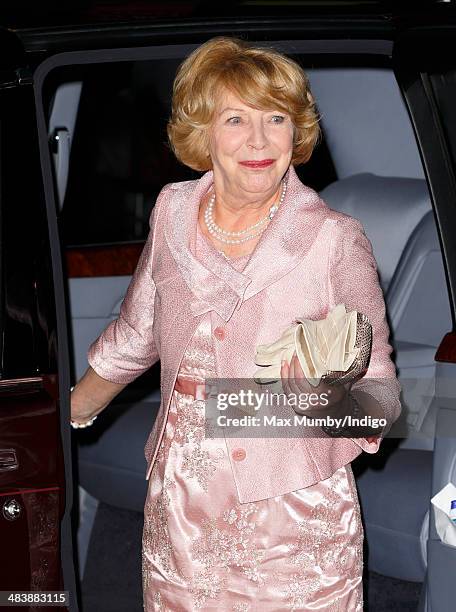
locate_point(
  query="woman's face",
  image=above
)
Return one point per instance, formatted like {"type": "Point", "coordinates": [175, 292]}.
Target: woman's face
{"type": "Point", "coordinates": [240, 134]}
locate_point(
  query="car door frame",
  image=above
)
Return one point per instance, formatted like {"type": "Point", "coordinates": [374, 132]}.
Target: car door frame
{"type": "Point", "coordinates": [417, 50]}
{"type": "Point", "coordinates": [38, 479]}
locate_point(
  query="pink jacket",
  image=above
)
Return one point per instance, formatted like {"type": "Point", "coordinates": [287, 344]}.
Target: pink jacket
{"type": "Point", "coordinates": [309, 259]}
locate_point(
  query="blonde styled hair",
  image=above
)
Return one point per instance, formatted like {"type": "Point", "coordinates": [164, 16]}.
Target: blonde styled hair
{"type": "Point", "coordinates": [260, 76]}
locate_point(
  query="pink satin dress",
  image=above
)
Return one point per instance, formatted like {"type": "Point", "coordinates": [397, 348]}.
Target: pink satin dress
{"type": "Point", "coordinates": [203, 550]}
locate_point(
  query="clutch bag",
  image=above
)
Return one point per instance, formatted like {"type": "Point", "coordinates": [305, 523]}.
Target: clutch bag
{"type": "Point", "coordinates": [336, 348]}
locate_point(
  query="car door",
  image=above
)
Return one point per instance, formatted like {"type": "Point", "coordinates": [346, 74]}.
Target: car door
{"type": "Point", "coordinates": [36, 557]}
{"type": "Point", "coordinates": [425, 67]}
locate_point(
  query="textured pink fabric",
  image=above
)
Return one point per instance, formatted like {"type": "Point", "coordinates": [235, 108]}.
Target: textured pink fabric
{"type": "Point", "coordinates": [308, 259]}
{"type": "Point", "coordinates": [203, 550]}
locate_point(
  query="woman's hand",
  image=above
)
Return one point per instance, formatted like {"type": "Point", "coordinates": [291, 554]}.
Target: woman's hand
{"type": "Point", "coordinates": [331, 398]}
{"type": "Point", "coordinates": [294, 381]}
{"type": "Point", "coordinates": [91, 396]}
{"type": "Point", "coordinates": [80, 411]}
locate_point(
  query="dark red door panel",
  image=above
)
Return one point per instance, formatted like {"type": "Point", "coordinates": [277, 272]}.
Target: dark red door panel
{"type": "Point", "coordinates": [118, 260]}
{"type": "Point", "coordinates": [35, 462]}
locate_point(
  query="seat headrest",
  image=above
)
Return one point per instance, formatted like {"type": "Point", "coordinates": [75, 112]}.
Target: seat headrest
{"type": "Point", "coordinates": [389, 208]}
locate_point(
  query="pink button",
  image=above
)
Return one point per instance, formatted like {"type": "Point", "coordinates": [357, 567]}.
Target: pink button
{"type": "Point", "coordinates": [238, 454]}
{"type": "Point", "coordinates": [219, 333]}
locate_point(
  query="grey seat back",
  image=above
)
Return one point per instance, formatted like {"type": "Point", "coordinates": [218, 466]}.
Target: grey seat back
{"type": "Point", "coordinates": [418, 295]}
{"type": "Point", "coordinates": [94, 303]}
{"type": "Point", "coordinates": [389, 208]}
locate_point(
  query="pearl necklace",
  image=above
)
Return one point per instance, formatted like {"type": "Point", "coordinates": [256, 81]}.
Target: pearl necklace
{"type": "Point", "coordinates": [220, 234]}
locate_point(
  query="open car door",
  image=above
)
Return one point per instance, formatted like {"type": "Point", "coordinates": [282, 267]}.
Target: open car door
{"type": "Point", "coordinates": [425, 66]}
{"type": "Point", "coordinates": [35, 440]}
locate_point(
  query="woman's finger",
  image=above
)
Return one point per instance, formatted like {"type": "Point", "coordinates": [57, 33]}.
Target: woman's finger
{"type": "Point", "coordinates": [284, 373]}
{"type": "Point", "coordinates": [302, 381]}
{"type": "Point", "coordinates": [298, 369]}
{"type": "Point", "coordinates": [292, 380]}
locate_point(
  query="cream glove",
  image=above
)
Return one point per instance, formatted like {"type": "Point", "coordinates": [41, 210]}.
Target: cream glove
{"type": "Point", "coordinates": [338, 346]}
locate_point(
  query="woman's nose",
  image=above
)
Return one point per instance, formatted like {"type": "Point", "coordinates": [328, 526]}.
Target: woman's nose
{"type": "Point", "coordinates": [257, 136]}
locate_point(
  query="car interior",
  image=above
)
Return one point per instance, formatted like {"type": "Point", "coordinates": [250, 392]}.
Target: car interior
{"type": "Point", "coordinates": [107, 127]}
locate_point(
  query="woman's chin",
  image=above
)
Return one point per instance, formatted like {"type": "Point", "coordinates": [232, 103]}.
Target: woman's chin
{"type": "Point", "coordinates": [259, 181]}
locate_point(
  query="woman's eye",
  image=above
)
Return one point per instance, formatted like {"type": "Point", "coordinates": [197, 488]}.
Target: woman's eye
{"type": "Point", "coordinates": [237, 120]}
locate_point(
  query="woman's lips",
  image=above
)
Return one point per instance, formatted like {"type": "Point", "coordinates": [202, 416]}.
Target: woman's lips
{"type": "Point", "coordinates": [258, 164]}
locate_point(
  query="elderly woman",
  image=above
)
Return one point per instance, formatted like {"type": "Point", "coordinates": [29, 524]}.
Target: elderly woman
{"type": "Point", "coordinates": [230, 262]}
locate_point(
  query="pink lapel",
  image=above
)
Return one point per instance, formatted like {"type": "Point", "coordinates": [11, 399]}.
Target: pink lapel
{"type": "Point", "coordinates": [216, 285]}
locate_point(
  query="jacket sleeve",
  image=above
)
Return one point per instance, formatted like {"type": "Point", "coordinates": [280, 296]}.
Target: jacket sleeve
{"type": "Point", "coordinates": [126, 347]}
{"type": "Point", "coordinates": [354, 282]}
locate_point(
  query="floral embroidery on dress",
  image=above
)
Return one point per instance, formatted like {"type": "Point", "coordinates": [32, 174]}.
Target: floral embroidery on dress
{"type": "Point", "coordinates": [192, 426]}
{"type": "Point", "coordinates": [311, 547]}
{"type": "Point", "coordinates": [230, 544]}
{"type": "Point", "coordinates": [190, 431]}
{"type": "Point", "coordinates": [156, 542]}
{"type": "Point", "coordinates": [200, 355]}
{"type": "Point", "coordinates": [159, 602]}
{"type": "Point", "coordinates": [319, 545]}
{"type": "Point", "coordinates": [312, 551]}
{"type": "Point", "coordinates": [190, 421]}
{"type": "Point", "coordinates": [206, 584]}
{"type": "Point", "coordinates": [199, 463]}
{"type": "Point", "coordinates": [299, 590]}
